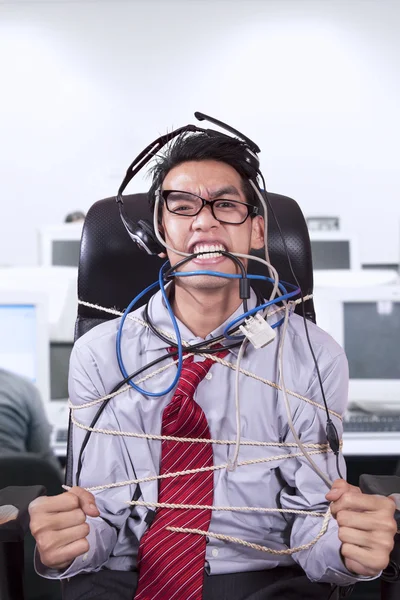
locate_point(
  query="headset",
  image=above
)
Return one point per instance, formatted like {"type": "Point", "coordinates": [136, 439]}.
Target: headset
{"type": "Point", "coordinates": [142, 232]}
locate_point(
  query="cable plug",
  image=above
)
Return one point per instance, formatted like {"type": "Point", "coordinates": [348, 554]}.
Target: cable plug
{"type": "Point", "coordinates": [258, 331]}
{"type": "Point", "coordinates": [333, 437]}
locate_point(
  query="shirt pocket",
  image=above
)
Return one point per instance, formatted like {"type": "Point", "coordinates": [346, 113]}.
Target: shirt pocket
{"type": "Point", "coordinates": [257, 484]}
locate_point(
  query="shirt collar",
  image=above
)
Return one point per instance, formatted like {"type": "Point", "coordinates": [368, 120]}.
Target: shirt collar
{"type": "Point", "coordinates": [159, 316]}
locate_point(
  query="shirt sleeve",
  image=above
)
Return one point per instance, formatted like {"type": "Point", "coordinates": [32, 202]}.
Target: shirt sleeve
{"type": "Point", "coordinates": [305, 490]}
{"type": "Point", "coordinates": [99, 465]}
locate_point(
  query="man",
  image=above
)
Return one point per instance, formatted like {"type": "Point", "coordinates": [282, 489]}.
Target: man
{"type": "Point", "coordinates": [80, 532]}
{"type": "Point", "coordinates": [23, 422]}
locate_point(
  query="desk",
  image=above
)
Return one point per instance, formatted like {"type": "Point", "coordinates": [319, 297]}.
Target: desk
{"type": "Point", "coordinates": [371, 444]}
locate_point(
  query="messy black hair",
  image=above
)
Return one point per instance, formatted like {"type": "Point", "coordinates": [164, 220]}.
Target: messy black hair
{"type": "Point", "coordinates": [200, 146]}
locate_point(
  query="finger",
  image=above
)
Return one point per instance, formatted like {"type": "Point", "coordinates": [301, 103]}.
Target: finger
{"type": "Point", "coordinates": [349, 535]}
{"type": "Point", "coordinates": [396, 500]}
{"type": "Point", "coordinates": [72, 534]}
{"type": "Point", "coordinates": [339, 487]}
{"type": "Point", "coordinates": [53, 504]}
{"type": "Point", "coordinates": [63, 557]}
{"type": "Point", "coordinates": [362, 503]}
{"type": "Point", "coordinates": [57, 522]}
{"type": "Point", "coordinates": [371, 560]}
{"type": "Point", "coordinates": [358, 569]}
{"type": "Point", "coordinates": [364, 521]}
{"type": "Point", "coordinates": [87, 501]}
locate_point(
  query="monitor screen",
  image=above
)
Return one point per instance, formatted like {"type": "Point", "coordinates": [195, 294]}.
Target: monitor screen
{"type": "Point", "coordinates": [65, 253]}
{"type": "Point", "coordinates": [330, 254]}
{"type": "Point", "coordinates": [18, 339]}
{"type": "Point", "coordinates": [371, 339]}
{"type": "Point", "coordinates": [59, 367]}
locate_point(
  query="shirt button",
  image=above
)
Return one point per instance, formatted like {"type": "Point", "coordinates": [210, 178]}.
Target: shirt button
{"type": "Point", "coordinates": [209, 376]}
{"type": "Point", "coordinates": [84, 557]}
{"type": "Point", "coordinates": [214, 552]}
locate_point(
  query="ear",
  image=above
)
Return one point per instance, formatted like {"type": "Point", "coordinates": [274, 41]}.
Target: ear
{"type": "Point", "coordinates": [257, 233]}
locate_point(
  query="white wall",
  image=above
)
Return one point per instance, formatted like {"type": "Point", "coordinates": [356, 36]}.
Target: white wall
{"type": "Point", "coordinates": [85, 85]}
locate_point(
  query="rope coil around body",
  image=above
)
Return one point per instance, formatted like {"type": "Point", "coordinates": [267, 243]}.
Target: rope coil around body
{"type": "Point", "coordinates": [235, 540]}
{"type": "Point", "coordinates": [254, 461]}
{"type": "Point", "coordinates": [322, 448]}
{"type": "Point", "coordinates": [172, 363]}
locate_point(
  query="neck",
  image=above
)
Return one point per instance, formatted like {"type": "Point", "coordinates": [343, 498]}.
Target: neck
{"type": "Point", "coordinates": [202, 311]}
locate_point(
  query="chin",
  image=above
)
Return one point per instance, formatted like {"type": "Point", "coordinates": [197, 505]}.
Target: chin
{"type": "Point", "coordinates": [205, 282]}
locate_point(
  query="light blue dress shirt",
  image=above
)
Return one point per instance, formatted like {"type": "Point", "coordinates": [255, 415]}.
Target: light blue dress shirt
{"type": "Point", "coordinates": [289, 484]}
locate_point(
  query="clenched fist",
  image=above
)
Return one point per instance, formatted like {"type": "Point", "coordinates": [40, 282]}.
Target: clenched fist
{"type": "Point", "coordinates": [366, 527]}
{"type": "Point", "coordinates": [58, 524]}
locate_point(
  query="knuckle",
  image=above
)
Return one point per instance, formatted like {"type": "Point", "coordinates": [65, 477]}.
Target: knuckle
{"type": "Point", "coordinates": [44, 542]}
{"type": "Point", "coordinates": [85, 529]}
{"type": "Point", "coordinates": [37, 505]}
{"type": "Point", "coordinates": [346, 549]}
{"type": "Point", "coordinates": [80, 517]}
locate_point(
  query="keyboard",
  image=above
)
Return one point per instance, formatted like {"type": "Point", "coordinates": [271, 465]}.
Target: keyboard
{"type": "Point", "coordinates": [61, 436]}
{"type": "Point", "coordinates": [359, 422]}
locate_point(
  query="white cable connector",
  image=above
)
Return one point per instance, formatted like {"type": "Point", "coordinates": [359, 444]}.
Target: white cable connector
{"type": "Point", "coordinates": [258, 331]}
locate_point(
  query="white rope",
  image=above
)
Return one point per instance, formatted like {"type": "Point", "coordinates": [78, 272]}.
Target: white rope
{"type": "Point", "coordinates": [319, 449]}
{"type": "Point", "coordinates": [171, 438]}
{"type": "Point", "coordinates": [172, 363]}
{"type": "Point", "coordinates": [254, 461]}
{"type": "Point", "coordinates": [235, 540]}
{"type": "Point", "coordinates": [293, 511]}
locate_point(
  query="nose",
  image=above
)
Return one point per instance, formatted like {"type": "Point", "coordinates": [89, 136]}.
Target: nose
{"type": "Point", "coordinates": [205, 220]}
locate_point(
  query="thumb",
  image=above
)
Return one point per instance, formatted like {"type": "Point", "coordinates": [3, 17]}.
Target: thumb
{"type": "Point", "coordinates": [87, 501]}
{"type": "Point", "coordinates": [340, 487]}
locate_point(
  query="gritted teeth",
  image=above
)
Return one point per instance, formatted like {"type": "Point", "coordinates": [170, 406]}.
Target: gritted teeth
{"type": "Point", "coordinates": [208, 250]}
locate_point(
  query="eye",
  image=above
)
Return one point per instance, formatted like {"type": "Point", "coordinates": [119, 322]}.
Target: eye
{"type": "Point", "coordinates": [225, 204]}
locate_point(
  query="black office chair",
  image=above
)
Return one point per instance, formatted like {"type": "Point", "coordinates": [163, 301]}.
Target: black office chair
{"type": "Point", "coordinates": [113, 270]}
{"type": "Point", "coordinates": [19, 471]}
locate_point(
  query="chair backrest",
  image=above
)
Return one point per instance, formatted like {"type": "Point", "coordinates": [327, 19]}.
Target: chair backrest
{"type": "Point", "coordinates": [113, 270]}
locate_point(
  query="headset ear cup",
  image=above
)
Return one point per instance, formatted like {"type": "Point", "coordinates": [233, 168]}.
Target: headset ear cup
{"type": "Point", "coordinates": [143, 234]}
{"type": "Point", "coordinates": [153, 242]}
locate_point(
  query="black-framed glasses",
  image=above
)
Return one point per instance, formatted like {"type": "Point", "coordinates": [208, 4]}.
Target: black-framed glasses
{"type": "Point", "coordinates": [224, 210]}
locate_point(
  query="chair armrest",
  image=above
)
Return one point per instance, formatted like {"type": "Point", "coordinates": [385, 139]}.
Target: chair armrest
{"type": "Point", "coordinates": [385, 485]}
{"type": "Point", "coordinates": [14, 523]}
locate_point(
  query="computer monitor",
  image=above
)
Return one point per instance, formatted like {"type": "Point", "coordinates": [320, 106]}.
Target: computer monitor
{"type": "Point", "coordinates": [59, 284]}
{"type": "Point", "coordinates": [59, 245]}
{"type": "Point", "coordinates": [334, 250]}
{"type": "Point", "coordinates": [24, 339]}
{"type": "Point", "coordinates": [366, 323]}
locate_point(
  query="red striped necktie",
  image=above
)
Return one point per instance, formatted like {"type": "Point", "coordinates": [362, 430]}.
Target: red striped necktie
{"type": "Point", "coordinates": [171, 565]}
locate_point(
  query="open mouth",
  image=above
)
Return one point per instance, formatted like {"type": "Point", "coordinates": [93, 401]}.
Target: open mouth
{"type": "Point", "coordinates": [208, 251]}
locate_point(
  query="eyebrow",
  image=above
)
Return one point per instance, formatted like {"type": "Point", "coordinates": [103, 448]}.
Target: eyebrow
{"type": "Point", "coordinates": [228, 189]}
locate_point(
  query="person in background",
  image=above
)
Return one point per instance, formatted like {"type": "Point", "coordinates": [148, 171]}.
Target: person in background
{"type": "Point", "coordinates": [23, 422]}
{"type": "Point", "coordinates": [75, 217]}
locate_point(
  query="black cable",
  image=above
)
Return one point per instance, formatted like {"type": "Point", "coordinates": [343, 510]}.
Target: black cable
{"type": "Point", "coordinates": [331, 432]}
{"type": "Point", "coordinates": [244, 286]}
{"type": "Point", "coordinates": [199, 345]}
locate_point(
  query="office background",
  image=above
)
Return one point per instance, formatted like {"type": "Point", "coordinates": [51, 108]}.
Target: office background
{"type": "Point", "coordinates": [86, 84]}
